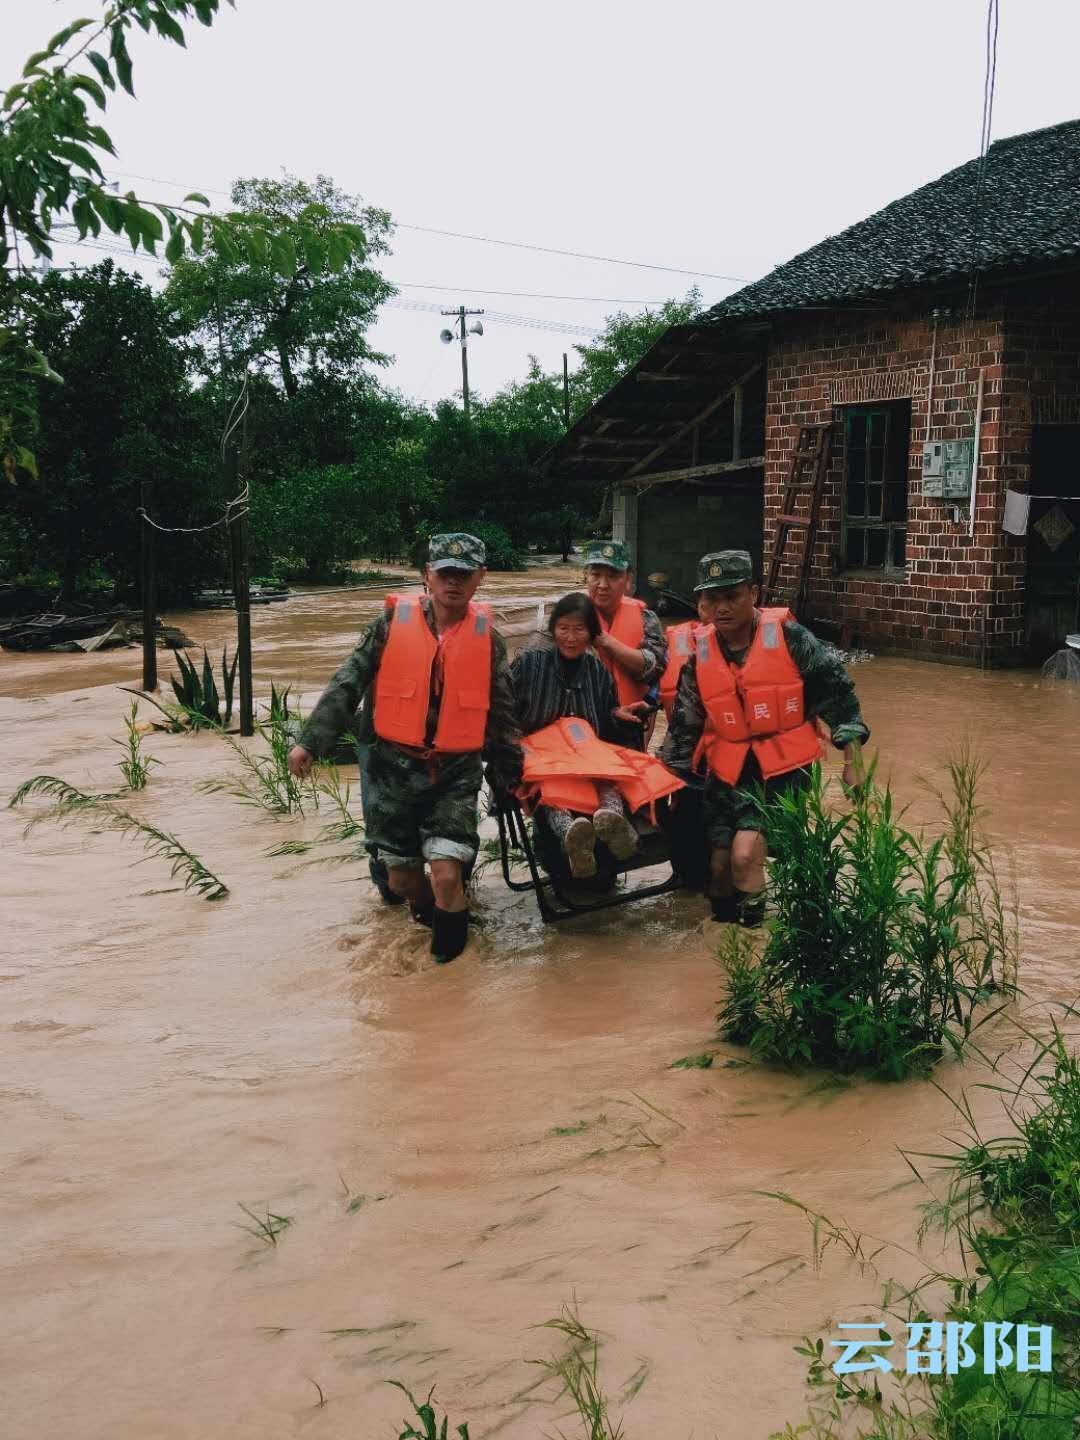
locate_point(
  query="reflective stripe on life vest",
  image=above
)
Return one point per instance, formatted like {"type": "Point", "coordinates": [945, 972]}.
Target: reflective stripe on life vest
{"type": "Point", "coordinates": [629, 627]}
{"type": "Point", "coordinates": [757, 706]}
{"type": "Point", "coordinates": [403, 681]}
{"type": "Point", "coordinates": [680, 640]}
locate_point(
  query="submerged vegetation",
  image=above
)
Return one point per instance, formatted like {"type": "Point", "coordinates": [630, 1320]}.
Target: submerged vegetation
{"type": "Point", "coordinates": [266, 780]}
{"type": "Point", "coordinates": [73, 804]}
{"type": "Point", "coordinates": [884, 941]}
{"type": "Point", "coordinates": [198, 700]}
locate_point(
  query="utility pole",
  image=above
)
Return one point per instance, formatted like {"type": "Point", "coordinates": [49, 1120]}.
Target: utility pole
{"type": "Point", "coordinates": [149, 589]}
{"type": "Point", "coordinates": [463, 336]}
{"type": "Point", "coordinates": [566, 390]}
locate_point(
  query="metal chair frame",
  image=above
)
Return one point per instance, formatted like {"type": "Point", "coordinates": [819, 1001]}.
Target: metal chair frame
{"type": "Point", "coordinates": [514, 834]}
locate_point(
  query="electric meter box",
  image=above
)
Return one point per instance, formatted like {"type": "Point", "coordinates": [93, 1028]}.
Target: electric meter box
{"type": "Point", "coordinates": [947, 469]}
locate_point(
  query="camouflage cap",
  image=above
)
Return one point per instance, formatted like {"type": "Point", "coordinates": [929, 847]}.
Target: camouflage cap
{"type": "Point", "coordinates": [722, 569]}
{"type": "Point", "coordinates": [608, 552]}
{"type": "Point", "coordinates": [456, 551]}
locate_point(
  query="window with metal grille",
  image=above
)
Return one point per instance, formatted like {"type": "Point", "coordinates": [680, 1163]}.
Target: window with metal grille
{"type": "Point", "coordinates": [877, 441]}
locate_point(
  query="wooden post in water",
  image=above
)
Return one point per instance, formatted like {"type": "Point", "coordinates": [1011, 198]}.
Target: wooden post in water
{"type": "Point", "coordinates": [238, 526]}
{"type": "Point", "coordinates": [149, 589]}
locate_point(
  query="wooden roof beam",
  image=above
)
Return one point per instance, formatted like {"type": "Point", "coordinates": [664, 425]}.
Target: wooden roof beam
{"type": "Point", "coordinates": [685, 429]}
{"type": "Point", "coordinates": [694, 472]}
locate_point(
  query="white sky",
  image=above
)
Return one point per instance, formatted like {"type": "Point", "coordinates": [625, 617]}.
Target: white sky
{"type": "Point", "coordinates": [722, 136]}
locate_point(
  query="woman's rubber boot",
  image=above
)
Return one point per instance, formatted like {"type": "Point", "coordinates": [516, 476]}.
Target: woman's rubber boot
{"type": "Point", "coordinates": [449, 934]}
{"type": "Point", "coordinates": [751, 906]}
{"type": "Point", "coordinates": [725, 909]}
{"type": "Point", "coordinates": [579, 842]}
{"type": "Point", "coordinates": [614, 830]}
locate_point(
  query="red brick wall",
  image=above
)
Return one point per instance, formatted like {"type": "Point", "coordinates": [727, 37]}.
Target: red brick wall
{"type": "Point", "coordinates": [960, 596]}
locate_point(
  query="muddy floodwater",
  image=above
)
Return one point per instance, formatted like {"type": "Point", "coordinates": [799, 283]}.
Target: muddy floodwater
{"type": "Point", "coordinates": [461, 1150]}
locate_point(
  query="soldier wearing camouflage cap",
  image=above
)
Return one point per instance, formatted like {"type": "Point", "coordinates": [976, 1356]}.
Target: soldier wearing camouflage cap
{"type": "Point", "coordinates": [442, 705]}
{"type": "Point", "coordinates": [747, 707]}
{"type": "Point", "coordinates": [631, 642]}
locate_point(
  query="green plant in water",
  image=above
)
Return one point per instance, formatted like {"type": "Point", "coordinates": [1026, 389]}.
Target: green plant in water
{"type": "Point", "coordinates": [198, 700]}
{"type": "Point", "coordinates": [134, 767]}
{"type": "Point", "coordinates": [576, 1368]}
{"type": "Point", "coordinates": [884, 942]}
{"type": "Point", "coordinates": [425, 1413]}
{"type": "Point", "coordinates": [267, 1230]}
{"type": "Point", "coordinates": [266, 780]}
{"type": "Point", "coordinates": [73, 804]}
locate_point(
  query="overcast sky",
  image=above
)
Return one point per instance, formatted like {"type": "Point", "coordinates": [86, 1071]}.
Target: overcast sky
{"type": "Point", "coordinates": [716, 137]}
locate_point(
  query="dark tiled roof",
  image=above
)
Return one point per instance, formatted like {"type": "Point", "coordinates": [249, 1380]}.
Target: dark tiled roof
{"type": "Point", "coordinates": [1030, 215]}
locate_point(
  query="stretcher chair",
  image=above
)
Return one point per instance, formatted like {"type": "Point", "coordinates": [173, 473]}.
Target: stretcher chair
{"type": "Point", "coordinates": [531, 847]}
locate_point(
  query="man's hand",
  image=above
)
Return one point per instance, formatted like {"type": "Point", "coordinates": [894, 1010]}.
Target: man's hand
{"type": "Point", "coordinates": [300, 762]}
{"type": "Point", "coordinates": [635, 714]}
{"type": "Point", "coordinates": [854, 775]}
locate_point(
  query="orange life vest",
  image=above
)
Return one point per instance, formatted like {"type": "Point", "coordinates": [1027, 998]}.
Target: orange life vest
{"type": "Point", "coordinates": [564, 761]}
{"type": "Point", "coordinates": [756, 706]}
{"type": "Point", "coordinates": [629, 627]}
{"type": "Point", "coordinates": [680, 640]}
{"type": "Point", "coordinates": [403, 682]}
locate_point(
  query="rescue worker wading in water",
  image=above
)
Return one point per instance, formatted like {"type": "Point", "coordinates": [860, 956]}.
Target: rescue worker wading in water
{"type": "Point", "coordinates": [631, 642]}
{"type": "Point", "coordinates": [747, 705]}
{"type": "Point", "coordinates": [442, 703]}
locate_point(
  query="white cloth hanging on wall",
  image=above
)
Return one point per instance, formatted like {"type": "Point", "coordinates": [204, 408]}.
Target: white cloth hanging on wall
{"type": "Point", "coordinates": [1017, 508]}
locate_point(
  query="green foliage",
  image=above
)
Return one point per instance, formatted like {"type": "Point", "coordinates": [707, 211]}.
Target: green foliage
{"type": "Point", "coordinates": [576, 1369]}
{"type": "Point", "coordinates": [265, 1229]}
{"type": "Point", "coordinates": [425, 1413]}
{"type": "Point", "coordinates": [621, 344]}
{"type": "Point", "coordinates": [266, 780]}
{"type": "Point", "coordinates": [52, 149]}
{"type": "Point", "coordinates": [283, 309]}
{"type": "Point", "coordinates": [73, 804]}
{"type": "Point", "coordinates": [134, 767]}
{"type": "Point", "coordinates": [1013, 1205]}
{"type": "Point", "coordinates": [884, 942]}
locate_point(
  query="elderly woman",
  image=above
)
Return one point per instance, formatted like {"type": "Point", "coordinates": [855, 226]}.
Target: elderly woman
{"type": "Point", "coordinates": [568, 681]}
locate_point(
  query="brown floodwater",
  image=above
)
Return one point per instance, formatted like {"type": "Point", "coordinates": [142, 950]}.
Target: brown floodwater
{"type": "Point", "coordinates": [510, 1120]}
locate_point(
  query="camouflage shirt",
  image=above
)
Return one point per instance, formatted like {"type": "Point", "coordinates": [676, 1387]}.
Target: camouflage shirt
{"type": "Point", "coordinates": [828, 694]}
{"type": "Point", "coordinates": [654, 646]}
{"type": "Point", "coordinates": [333, 715]}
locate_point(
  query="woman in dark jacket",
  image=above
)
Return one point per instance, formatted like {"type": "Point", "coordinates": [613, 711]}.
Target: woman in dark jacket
{"type": "Point", "coordinates": [567, 680]}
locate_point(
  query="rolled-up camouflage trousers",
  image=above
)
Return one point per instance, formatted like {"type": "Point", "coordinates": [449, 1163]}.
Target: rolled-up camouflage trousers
{"type": "Point", "coordinates": [411, 817]}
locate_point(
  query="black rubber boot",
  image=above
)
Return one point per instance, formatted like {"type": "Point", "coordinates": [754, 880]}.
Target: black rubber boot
{"type": "Point", "coordinates": [423, 914]}
{"type": "Point", "coordinates": [725, 908]}
{"type": "Point", "coordinates": [449, 933]}
{"type": "Point", "coordinates": [381, 879]}
{"type": "Point", "coordinates": [751, 908]}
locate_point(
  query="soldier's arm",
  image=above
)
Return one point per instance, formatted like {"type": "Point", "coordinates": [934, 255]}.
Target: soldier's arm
{"type": "Point", "coordinates": [828, 692]}
{"type": "Point", "coordinates": [687, 722]}
{"type": "Point", "coordinates": [654, 647]}
{"type": "Point", "coordinates": [502, 738]}
{"type": "Point", "coordinates": [339, 701]}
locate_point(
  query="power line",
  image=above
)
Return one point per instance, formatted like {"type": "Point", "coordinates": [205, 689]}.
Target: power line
{"type": "Point", "coordinates": [532, 322]}
{"type": "Point", "coordinates": [491, 240]}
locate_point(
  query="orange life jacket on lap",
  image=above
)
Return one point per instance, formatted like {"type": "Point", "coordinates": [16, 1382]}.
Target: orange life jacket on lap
{"type": "Point", "coordinates": [403, 681]}
{"type": "Point", "coordinates": [680, 640]}
{"type": "Point", "coordinates": [629, 627]}
{"type": "Point", "coordinates": [757, 706]}
{"type": "Point", "coordinates": [564, 761]}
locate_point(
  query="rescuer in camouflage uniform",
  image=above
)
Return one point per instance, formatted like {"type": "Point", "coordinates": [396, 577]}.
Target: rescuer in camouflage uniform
{"type": "Point", "coordinates": [733, 821]}
{"type": "Point", "coordinates": [609, 577]}
{"type": "Point", "coordinates": [424, 807]}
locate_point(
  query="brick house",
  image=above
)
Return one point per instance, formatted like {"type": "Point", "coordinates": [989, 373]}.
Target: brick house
{"type": "Point", "coordinates": [889, 332]}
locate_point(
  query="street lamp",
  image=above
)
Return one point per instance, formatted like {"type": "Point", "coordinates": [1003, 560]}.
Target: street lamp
{"type": "Point", "coordinates": [463, 331]}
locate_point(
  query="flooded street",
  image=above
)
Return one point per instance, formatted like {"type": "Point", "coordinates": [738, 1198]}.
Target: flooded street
{"type": "Point", "coordinates": [461, 1150]}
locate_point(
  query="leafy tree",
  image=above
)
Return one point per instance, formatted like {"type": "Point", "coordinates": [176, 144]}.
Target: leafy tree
{"type": "Point", "coordinates": [126, 416]}
{"type": "Point", "coordinates": [51, 153]}
{"type": "Point", "coordinates": [621, 344]}
{"type": "Point", "coordinates": [247, 312]}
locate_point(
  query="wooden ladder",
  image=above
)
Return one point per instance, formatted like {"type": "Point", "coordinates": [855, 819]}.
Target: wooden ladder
{"type": "Point", "coordinates": [806, 480]}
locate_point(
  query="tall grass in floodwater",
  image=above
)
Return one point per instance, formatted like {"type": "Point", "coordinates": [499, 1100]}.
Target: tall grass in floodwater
{"type": "Point", "coordinates": [884, 941]}
{"type": "Point", "coordinates": [1014, 1205]}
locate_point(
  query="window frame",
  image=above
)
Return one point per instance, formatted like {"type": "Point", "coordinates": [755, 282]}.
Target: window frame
{"type": "Point", "coordinates": [891, 477]}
